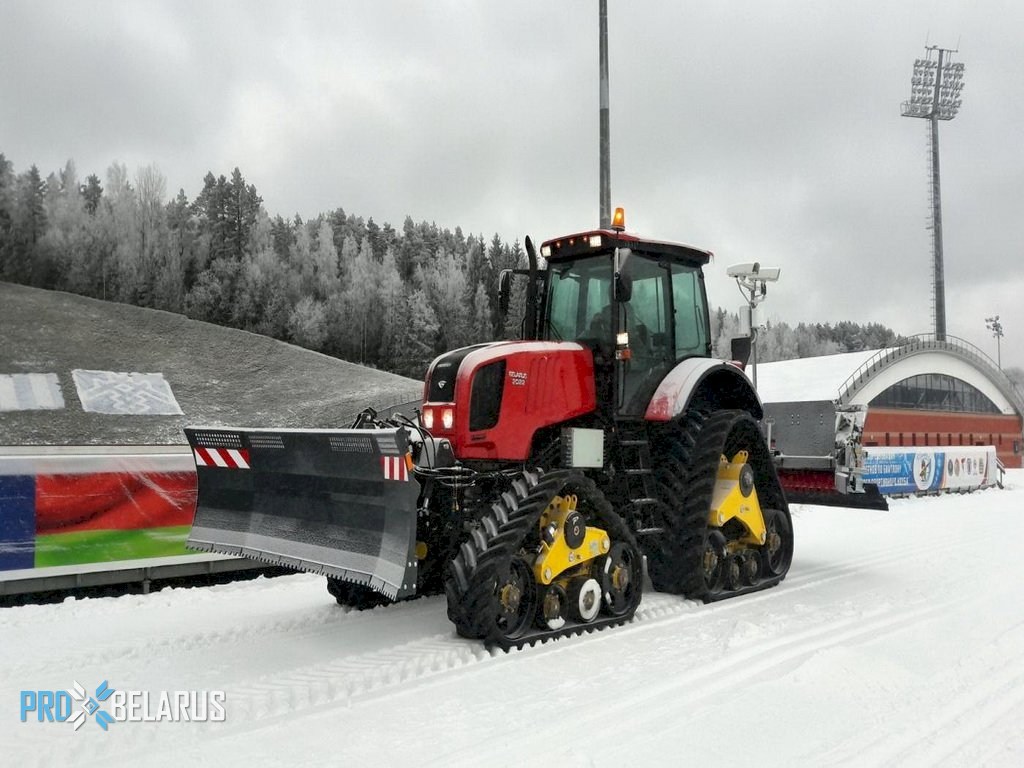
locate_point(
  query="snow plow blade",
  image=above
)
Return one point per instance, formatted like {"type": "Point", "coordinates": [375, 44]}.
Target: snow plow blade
{"type": "Point", "coordinates": [340, 503]}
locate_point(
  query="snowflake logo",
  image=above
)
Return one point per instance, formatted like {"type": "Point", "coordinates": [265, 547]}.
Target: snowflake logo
{"type": "Point", "coordinates": [91, 705]}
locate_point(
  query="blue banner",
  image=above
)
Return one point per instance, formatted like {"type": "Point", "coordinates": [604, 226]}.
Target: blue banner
{"type": "Point", "coordinates": [924, 470]}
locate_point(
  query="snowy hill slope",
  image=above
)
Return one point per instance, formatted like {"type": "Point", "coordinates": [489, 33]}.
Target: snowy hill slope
{"type": "Point", "coordinates": [895, 640]}
{"type": "Point", "coordinates": [217, 375]}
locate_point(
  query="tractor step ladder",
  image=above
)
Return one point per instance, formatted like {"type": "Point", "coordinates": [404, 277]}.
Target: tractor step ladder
{"type": "Point", "coordinates": [637, 467]}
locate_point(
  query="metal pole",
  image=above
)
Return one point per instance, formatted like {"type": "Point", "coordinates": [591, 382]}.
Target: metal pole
{"type": "Point", "coordinates": [940, 285]}
{"type": "Point", "coordinates": [753, 343]}
{"type": "Point", "coordinates": [754, 332]}
{"type": "Point", "coordinates": [606, 175]}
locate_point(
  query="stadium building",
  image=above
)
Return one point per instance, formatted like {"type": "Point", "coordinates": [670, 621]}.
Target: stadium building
{"type": "Point", "coordinates": [925, 393]}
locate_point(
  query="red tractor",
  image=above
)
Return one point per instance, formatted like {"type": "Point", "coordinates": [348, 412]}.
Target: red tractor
{"type": "Point", "coordinates": [540, 474]}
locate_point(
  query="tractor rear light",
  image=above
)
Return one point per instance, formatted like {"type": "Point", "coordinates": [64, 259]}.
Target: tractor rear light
{"type": "Point", "coordinates": [427, 417]}
{"type": "Point", "coordinates": [622, 339]}
{"type": "Point", "coordinates": [448, 418]}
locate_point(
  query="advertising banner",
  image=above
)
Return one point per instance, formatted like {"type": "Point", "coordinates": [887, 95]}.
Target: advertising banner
{"type": "Point", "coordinates": [62, 506]}
{"type": "Point", "coordinates": [899, 471]}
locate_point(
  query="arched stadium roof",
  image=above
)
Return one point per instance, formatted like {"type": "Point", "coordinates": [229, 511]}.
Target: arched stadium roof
{"type": "Point", "coordinates": [857, 377]}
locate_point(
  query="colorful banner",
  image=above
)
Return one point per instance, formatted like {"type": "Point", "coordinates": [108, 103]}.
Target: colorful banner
{"type": "Point", "coordinates": [69, 507]}
{"type": "Point", "coordinates": [929, 470]}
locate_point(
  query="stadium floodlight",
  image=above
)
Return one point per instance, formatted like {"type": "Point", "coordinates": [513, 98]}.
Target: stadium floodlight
{"type": "Point", "coordinates": [935, 87]}
{"type": "Point", "coordinates": [935, 90]}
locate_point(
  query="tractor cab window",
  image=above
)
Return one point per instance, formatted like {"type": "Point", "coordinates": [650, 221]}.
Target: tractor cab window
{"type": "Point", "coordinates": [691, 333]}
{"type": "Point", "coordinates": [647, 318]}
{"type": "Point", "coordinates": [665, 315]}
{"type": "Point", "coordinates": [664, 319]}
{"type": "Point", "coordinates": [579, 300]}
{"type": "Point", "coordinates": [646, 313]}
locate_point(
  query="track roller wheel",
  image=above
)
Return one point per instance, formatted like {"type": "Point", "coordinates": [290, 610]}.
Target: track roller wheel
{"type": "Point", "coordinates": [621, 572]}
{"type": "Point", "coordinates": [734, 572]}
{"type": "Point", "coordinates": [777, 552]}
{"type": "Point", "coordinates": [517, 598]}
{"type": "Point", "coordinates": [714, 560]}
{"type": "Point", "coordinates": [751, 568]}
{"type": "Point", "coordinates": [553, 608]}
{"type": "Point", "coordinates": [584, 600]}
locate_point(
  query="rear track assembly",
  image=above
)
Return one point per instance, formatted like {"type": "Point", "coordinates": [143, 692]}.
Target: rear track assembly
{"type": "Point", "coordinates": [694, 557]}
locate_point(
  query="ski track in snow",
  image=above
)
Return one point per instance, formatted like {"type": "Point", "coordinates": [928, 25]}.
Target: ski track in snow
{"type": "Point", "coordinates": [895, 640]}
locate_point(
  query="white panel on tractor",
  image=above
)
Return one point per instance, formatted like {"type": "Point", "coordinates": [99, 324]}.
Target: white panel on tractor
{"type": "Point", "coordinates": [583, 448]}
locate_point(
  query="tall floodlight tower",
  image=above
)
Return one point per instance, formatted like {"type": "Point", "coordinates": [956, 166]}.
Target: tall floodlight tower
{"type": "Point", "coordinates": [935, 95]}
{"type": "Point", "coordinates": [606, 173]}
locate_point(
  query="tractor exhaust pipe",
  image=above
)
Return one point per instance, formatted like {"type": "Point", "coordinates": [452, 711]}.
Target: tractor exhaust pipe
{"type": "Point", "coordinates": [530, 321]}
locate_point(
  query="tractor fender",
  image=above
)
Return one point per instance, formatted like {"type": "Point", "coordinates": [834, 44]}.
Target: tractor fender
{"type": "Point", "coordinates": [704, 383]}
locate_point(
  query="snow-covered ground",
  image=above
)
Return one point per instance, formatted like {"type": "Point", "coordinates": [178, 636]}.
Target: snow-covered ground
{"type": "Point", "coordinates": [897, 640]}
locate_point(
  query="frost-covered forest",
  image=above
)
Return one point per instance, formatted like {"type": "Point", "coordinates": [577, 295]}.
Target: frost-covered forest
{"type": "Point", "coordinates": [337, 283]}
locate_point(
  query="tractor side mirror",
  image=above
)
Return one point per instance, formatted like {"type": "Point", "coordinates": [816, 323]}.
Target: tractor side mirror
{"type": "Point", "coordinates": [504, 290]}
{"type": "Point", "coordinates": [741, 349]}
{"type": "Point", "coordinates": [624, 286]}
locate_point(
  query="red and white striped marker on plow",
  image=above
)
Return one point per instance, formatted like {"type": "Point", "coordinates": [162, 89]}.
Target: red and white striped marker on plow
{"type": "Point", "coordinates": [395, 468]}
{"type": "Point", "coordinates": [228, 458]}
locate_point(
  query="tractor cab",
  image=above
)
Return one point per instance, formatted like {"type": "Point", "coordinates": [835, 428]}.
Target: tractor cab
{"type": "Point", "coordinates": [639, 304]}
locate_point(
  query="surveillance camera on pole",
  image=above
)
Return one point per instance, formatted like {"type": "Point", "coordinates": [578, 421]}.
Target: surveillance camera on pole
{"type": "Point", "coordinates": [754, 271]}
{"type": "Point", "coordinates": [752, 280]}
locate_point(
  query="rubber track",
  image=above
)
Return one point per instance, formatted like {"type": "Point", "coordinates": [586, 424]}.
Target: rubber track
{"type": "Point", "coordinates": [472, 575]}
{"type": "Point", "coordinates": [672, 455]}
{"type": "Point", "coordinates": [697, 456]}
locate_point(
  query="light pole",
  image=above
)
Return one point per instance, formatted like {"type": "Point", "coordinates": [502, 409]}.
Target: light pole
{"type": "Point", "coordinates": [605, 131]}
{"type": "Point", "coordinates": [993, 324]}
{"type": "Point", "coordinates": [935, 95]}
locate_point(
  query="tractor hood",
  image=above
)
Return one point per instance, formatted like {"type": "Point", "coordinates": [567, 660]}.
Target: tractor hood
{"type": "Point", "coordinates": [489, 400]}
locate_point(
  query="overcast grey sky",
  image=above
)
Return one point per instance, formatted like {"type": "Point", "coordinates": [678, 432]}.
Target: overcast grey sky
{"type": "Point", "coordinates": [762, 130]}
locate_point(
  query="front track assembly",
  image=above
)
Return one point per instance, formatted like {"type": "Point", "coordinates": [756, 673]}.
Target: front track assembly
{"type": "Point", "coordinates": [550, 558]}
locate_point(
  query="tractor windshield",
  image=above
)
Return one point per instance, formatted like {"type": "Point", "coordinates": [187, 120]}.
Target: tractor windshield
{"type": "Point", "coordinates": [665, 316]}
{"type": "Point", "coordinates": [580, 300]}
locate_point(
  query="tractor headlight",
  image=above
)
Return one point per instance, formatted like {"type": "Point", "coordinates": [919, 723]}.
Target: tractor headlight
{"type": "Point", "coordinates": [427, 417]}
{"type": "Point", "coordinates": [448, 418]}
